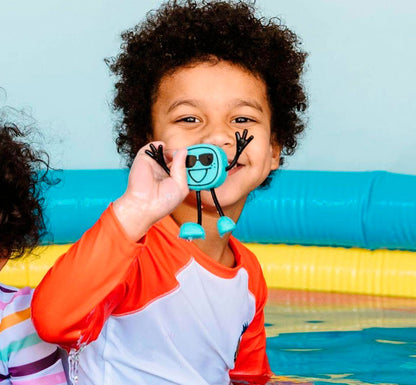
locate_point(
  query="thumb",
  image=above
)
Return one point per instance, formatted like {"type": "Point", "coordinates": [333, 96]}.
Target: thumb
{"type": "Point", "coordinates": [178, 169]}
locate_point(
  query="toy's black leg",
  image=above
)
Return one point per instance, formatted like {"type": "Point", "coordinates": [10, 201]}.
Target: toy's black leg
{"type": "Point", "coordinates": [192, 230]}
{"type": "Point", "coordinates": [224, 224]}
{"type": "Point", "coordinates": [217, 204]}
{"type": "Point", "coordinates": [199, 206]}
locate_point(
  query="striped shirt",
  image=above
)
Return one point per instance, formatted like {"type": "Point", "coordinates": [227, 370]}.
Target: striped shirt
{"type": "Point", "coordinates": [24, 358]}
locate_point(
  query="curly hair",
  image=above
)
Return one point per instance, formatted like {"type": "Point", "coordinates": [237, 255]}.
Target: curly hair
{"type": "Point", "coordinates": [180, 33]}
{"type": "Point", "coordinates": [23, 172]}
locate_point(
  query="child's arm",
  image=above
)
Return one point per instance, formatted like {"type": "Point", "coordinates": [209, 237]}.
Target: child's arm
{"type": "Point", "coordinates": [81, 290]}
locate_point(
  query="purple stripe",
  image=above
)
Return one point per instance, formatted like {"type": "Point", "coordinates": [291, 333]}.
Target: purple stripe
{"type": "Point", "coordinates": [24, 291]}
{"type": "Point", "coordinates": [3, 377]}
{"type": "Point", "coordinates": [35, 367]}
{"type": "Point", "coordinates": [4, 290]}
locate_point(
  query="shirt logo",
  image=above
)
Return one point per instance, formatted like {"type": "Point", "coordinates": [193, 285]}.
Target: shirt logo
{"type": "Point", "coordinates": [245, 326]}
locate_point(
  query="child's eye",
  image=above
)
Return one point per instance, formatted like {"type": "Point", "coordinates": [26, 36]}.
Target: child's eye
{"type": "Point", "coordinates": [242, 119]}
{"type": "Point", "coordinates": [189, 119]}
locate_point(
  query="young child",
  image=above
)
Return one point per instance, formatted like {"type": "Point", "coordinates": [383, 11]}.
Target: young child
{"type": "Point", "coordinates": [24, 358]}
{"type": "Point", "coordinates": [143, 305]}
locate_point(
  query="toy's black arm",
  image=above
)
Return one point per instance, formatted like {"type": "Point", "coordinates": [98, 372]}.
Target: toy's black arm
{"type": "Point", "coordinates": [242, 142]}
{"type": "Point", "coordinates": [157, 155]}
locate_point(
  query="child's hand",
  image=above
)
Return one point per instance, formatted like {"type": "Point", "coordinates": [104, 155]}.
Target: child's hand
{"type": "Point", "coordinates": [151, 193]}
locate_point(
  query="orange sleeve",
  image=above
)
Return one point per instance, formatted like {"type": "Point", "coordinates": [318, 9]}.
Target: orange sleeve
{"type": "Point", "coordinates": [78, 294]}
{"type": "Point", "coordinates": [252, 363]}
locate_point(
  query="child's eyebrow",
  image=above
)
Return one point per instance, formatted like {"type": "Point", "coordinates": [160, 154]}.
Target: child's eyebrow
{"type": "Point", "coordinates": [188, 102]}
{"type": "Point", "coordinates": [247, 103]}
{"type": "Point", "coordinates": [234, 103]}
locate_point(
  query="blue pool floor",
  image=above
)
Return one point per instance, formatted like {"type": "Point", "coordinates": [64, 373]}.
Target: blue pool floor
{"type": "Point", "coordinates": [318, 338]}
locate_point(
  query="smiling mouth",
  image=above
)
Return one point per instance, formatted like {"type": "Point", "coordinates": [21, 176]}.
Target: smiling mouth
{"type": "Point", "coordinates": [235, 168]}
{"type": "Point", "coordinates": [198, 174]}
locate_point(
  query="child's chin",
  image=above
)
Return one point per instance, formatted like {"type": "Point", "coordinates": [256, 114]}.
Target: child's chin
{"type": "Point", "coordinates": [226, 197]}
{"type": "Point", "coordinates": [206, 199]}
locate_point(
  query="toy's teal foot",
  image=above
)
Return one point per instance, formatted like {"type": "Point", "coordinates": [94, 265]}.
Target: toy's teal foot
{"type": "Point", "coordinates": [225, 225]}
{"type": "Point", "coordinates": [190, 231]}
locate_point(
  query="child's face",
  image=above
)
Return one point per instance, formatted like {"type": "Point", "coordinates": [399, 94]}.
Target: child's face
{"type": "Point", "coordinates": [208, 103]}
{"type": "Point", "coordinates": [3, 259]}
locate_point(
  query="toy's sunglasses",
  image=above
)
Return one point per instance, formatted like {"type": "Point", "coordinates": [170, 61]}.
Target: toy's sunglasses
{"type": "Point", "coordinates": [205, 159]}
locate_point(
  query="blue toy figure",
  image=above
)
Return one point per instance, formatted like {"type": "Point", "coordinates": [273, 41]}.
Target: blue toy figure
{"type": "Point", "coordinates": [206, 167]}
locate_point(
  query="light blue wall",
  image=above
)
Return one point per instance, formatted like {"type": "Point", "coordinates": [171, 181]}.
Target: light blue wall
{"type": "Point", "coordinates": [360, 77]}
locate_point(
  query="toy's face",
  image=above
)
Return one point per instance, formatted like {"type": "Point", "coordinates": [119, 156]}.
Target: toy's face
{"type": "Point", "coordinates": [205, 166]}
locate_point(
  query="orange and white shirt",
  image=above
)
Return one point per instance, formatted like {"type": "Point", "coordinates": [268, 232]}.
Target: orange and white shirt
{"type": "Point", "coordinates": [158, 311]}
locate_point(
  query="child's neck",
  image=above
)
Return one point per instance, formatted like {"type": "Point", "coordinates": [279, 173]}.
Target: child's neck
{"type": "Point", "coordinates": [216, 247]}
{"type": "Point", "coordinates": [213, 245]}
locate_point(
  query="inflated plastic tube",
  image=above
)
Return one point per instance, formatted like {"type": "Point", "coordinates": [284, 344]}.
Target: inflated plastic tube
{"type": "Point", "coordinates": [371, 210]}
{"type": "Point", "coordinates": [337, 269]}
{"type": "Point", "coordinates": [325, 269]}
{"type": "Point", "coordinates": [351, 209]}
{"type": "Point", "coordinates": [75, 203]}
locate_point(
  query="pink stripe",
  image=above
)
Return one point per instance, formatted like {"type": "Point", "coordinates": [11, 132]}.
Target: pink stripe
{"type": "Point", "coordinates": [51, 379]}
{"type": "Point", "coordinates": [24, 291]}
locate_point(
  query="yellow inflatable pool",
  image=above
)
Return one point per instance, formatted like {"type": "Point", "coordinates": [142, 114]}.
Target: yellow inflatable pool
{"type": "Point", "coordinates": [328, 269]}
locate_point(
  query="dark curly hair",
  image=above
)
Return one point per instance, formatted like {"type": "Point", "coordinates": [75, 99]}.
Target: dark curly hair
{"type": "Point", "coordinates": [23, 173]}
{"type": "Point", "coordinates": [187, 32]}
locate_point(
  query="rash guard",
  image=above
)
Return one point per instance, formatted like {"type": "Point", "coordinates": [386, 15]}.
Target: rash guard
{"type": "Point", "coordinates": [24, 358]}
{"type": "Point", "coordinates": [157, 311]}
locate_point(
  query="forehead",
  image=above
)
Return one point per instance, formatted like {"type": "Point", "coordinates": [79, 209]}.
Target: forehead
{"type": "Point", "coordinates": [219, 83]}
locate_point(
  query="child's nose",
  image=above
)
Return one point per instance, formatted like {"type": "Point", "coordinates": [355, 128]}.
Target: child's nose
{"type": "Point", "coordinates": [219, 135]}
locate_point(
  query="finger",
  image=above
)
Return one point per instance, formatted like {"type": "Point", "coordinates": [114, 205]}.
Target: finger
{"type": "Point", "coordinates": [178, 170]}
{"type": "Point", "coordinates": [169, 154]}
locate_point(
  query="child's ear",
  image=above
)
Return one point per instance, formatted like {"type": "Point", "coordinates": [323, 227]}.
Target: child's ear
{"type": "Point", "coordinates": [275, 153]}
